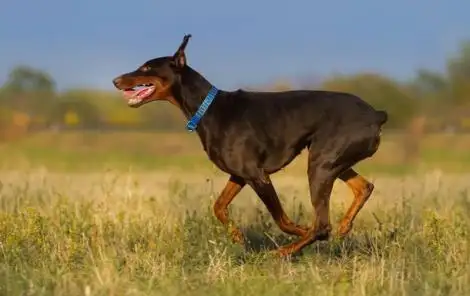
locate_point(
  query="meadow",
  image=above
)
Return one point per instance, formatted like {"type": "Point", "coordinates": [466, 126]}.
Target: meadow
{"type": "Point", "coordinates": [116, 213]}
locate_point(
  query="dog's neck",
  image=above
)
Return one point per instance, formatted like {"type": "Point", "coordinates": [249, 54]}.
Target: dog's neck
{"type": "Point", "coordinates": [191, 90]}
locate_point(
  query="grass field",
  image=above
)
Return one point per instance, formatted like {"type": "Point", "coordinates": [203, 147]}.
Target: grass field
{"type": "Point", "coordinates": [98, 151]}
{"type": "Point", "coordinates": [91, 218]}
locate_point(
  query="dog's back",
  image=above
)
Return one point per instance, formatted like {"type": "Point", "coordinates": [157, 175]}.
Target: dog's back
{"type": "Point", "coordinates": [300, 109]}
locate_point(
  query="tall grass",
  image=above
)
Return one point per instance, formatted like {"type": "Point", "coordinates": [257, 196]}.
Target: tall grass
{"type": "Point", "coordinates": [155, 234]}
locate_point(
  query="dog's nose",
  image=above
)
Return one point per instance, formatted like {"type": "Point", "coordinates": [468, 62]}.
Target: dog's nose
{"type": "Point", "coordinates": [117, 81]}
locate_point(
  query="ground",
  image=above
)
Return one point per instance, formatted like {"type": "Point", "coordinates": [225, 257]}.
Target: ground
{"type": "Point", "coordinates": [144, 230]}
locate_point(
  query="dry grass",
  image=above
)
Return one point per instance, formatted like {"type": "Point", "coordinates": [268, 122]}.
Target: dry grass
{"type": "Point", "coordinates": [154, 233]}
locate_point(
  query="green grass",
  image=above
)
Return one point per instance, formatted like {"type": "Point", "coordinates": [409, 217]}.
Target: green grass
{"type": "Point", "coordinates": [85, 151]}
{"type": "Point", "coordinates": [153, 233]}
{"type": "Point", "coordinates": [149, 151]}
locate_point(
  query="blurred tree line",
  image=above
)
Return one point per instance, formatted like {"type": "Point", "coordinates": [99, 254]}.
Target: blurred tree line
{"type": "Point", "coordinates": [430, 102]}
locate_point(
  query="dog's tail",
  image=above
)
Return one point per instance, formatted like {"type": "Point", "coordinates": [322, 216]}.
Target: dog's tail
{"type": "Point", "coordinates": [382, 117]}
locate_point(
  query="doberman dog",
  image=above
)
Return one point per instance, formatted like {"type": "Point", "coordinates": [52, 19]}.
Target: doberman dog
{"type": "Point", "coordinates": [251, 135]}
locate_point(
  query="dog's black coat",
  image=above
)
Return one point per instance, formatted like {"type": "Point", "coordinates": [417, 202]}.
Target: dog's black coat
{"type": "Point", "coordinates": [250, 133]}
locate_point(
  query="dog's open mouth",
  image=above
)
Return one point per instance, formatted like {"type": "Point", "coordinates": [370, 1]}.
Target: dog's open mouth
{"type": "Point", "coordinates": [138, 94]}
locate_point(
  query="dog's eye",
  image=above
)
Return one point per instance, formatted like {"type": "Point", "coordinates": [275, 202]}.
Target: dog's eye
{"type": "Point", "coordinates": [145, 69]}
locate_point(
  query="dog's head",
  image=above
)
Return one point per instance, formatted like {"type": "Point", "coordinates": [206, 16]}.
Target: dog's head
{"type": "Point", "coordinates": [154, 79]}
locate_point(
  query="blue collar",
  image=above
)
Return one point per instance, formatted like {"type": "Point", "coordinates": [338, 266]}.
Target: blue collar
{"type": "Point", "coordinates": [193, 122]}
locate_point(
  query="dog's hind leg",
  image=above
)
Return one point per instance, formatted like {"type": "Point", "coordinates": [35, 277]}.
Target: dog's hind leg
{"type": "Point", "coordinates": [234, 185]}
{"type": "Point", "coordinates": [321, 179]}
{"type": "Point", "coordinates": [266, 192]}
{"type": "Point", "coordinates": [362, 189]}
{"type": "Point", "coordinates": [334, 159]}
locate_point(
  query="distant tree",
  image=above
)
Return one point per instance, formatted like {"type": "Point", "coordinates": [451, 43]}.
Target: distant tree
{"type": "Point", "coordinates": [430, 83]}
{"type": "Point", "coordinates": [381, 92]}
{"type": "Point", "coordinates": [31, 92]}
{"type": "Point", "coordinates": [458, 65]}
{"type": "Point", "coordinates": [74, 110]}
{"type": "Point", "coordinates": [458, 72]}
{"type": "Point", "coordinates": [27, 79]}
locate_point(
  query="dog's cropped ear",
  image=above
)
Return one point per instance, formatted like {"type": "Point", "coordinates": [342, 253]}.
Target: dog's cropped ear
{"type": "Point", "coordinates": [179, 58]}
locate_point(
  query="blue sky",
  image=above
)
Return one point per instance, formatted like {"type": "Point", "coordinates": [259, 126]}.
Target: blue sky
{"type": "Point", "coordinates": [86, 43]}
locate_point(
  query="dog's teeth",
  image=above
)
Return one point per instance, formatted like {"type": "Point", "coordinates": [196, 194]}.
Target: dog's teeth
{"type": "Point", "coordinates": [134, 101]}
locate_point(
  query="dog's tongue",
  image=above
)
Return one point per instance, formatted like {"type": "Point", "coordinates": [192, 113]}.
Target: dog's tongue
{"type": "Point", "coordinates": [129, 93]}
{"type": "Point", "coordinates": [134, 93]}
